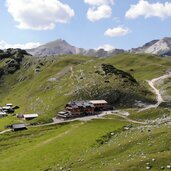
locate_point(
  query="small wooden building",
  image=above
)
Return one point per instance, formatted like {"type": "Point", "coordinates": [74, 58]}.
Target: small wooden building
{"type": "Point", "coordinates": [18, 127]}
{"type": "Point", "coordinates": [27, 116]}
{"type": "Point", "coordinates": [3, 114]}
{"type": "Point", "coordinates": [30, 116]}
{"type": "Point", "coordinates": [8, 109]}
{"type": "Point", "coordinates": [9, 104]}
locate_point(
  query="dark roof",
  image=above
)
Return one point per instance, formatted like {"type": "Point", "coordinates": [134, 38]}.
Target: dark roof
{"type": "Point", "coordinates": [18, 126]}
{"type": "Point", "coordinates": [84, 104]}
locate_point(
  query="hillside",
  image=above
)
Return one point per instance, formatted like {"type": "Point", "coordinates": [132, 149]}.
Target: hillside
{"type": "Point", "coordinates": [104, 145]}
{"type": "Point", "coordinates": [44, 85]}
{"type": "Point", "coordinates": [10, 60]}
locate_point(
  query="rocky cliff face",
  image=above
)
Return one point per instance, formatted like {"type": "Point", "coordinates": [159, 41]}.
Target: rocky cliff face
{"type": "Point", "coordinates": [58, 47]}
{"type": "Point", "coordinates": [158, 47]}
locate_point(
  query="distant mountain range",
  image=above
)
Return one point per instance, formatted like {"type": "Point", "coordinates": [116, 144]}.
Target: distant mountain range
{"type": "Point", "coordinates": [60, 47]}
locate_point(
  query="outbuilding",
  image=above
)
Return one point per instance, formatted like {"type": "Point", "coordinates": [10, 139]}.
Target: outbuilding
{"type": "Point", "coordinates": [8, 109]}
{"type": "Point", "coordinates": [27, 116]}
{"type": "Point", "coordinates": [3, 114]}
{"type": "Point", "coordinates": [9, 104]}
{"type": "Point", "coordinates": [18, 127]}
{"type": "Point", "coordinates": [30, 116]}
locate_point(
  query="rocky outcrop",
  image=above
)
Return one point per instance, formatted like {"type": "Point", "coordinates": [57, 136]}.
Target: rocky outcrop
{"type": "Point", "coordinates": [111, 70]}
{"type": "Point", "coordinates": [10, 60]}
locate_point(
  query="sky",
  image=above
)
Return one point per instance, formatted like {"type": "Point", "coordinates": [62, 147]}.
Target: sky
{"type": "Point", "coordinates": [87, 24]}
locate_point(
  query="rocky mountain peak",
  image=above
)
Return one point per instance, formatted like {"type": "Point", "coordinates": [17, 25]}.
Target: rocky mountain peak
{"type": "Point", "coordinates": [158, 47]}
{"type": "Point", "coordinates": [61, 47]}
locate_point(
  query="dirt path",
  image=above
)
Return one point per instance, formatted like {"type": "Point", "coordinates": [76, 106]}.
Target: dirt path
{"type": "Point", "coordinates": [72, 73]}
{"type": "Point", "coordinates": [122, 114]}
{"type": "Point", "coordinates": [130, 120]}
{"type": "Point", "coordinates": [3, 132]}
{"type": "Point", "coordinates": [152, 84]}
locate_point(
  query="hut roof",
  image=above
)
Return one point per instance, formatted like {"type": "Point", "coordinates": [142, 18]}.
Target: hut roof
{"type": "Point", "coordinates": [18, 126]}
{"type": "Point", "coordinates": [98, 101]}
{"type": "Point", "coordinates": [30, 115]}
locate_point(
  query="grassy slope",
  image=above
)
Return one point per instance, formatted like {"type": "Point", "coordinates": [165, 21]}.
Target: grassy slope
{"type": "Point", "coordinates": [150, 114]}
{"type": "Point", "coordinates": [145, 66]}
{"type": "Point", "coordinates": [166, 89]}
{"type": "Point", "coordinates": [33, 92]}
{"type": "Point", "coordinates": [49, 148]}
{"type": "Point", "coordinates": [131, 151]}
{"type": "Point", "coordinates": [39, 93]}
{"type": "Point", "coordinates": [52, 145]}
{"type": "Point", "coordinates": [7, 121]}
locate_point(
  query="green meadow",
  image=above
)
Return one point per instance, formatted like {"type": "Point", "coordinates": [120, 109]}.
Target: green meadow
{"type": "Point", "coordinates": [97, 145]}
{"type": "Point", "coordinates": [45, 85]}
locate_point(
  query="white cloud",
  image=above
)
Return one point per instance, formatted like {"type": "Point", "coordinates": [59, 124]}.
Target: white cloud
{"type": "Point", "coordinates": [39, 14]}
{"type": "Point", "coordinates": [146, 9]}
{"type": "Point", "coordinates": [99, 2]}
{"type": "Point", "coordinates": [30, 45]}
{"type": "Point", "coordinates": [116, 31]}
{"type": "Point", "coordinates": [106, 47]}
{"type": "Point", "coordinates": [95, 14]}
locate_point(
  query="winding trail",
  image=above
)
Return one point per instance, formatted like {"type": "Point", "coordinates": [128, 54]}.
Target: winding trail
{"type": "Point", "coordinates": [156, 91]}
{"type": "Point", "coordinates": [122, 114]}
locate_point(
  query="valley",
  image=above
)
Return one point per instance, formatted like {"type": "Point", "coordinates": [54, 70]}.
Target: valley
{"type": "Point", "coordinates": [133, 136]}
{"type": "Point", "coordinates": [85, 85]}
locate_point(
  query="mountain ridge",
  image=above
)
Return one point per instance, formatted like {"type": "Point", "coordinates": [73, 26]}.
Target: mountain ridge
{"type": "Point", "coordinates": [61, 47]}
{"type": "Point", "coordinates": [160, 47]}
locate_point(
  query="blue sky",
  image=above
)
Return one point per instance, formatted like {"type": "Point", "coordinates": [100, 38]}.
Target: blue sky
{"type": "Point", "coordinates": [113, 23]}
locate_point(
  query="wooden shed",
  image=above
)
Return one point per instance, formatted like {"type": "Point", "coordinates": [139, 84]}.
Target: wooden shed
{"type": "Point", "coordinates": [3, 114]}
{"type": "Point", "coordinates": [18, 127]}
{"type": "Point", "coordinates": [30, 116]}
